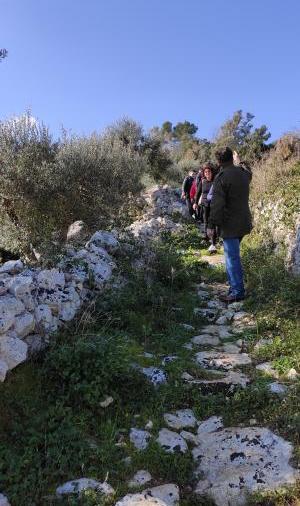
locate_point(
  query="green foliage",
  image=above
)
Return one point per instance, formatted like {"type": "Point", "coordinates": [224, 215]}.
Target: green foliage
{"type": "Point", "coordinates": [184, 130]}
{"type": "Point", "coordinates": [239, 135]}
{"type": "Point", "coordinates": [45, 186]}
{"type": "Point", "coordinates": [89, 368]}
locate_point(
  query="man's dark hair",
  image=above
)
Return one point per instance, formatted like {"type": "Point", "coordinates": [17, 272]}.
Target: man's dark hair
{"type": "Point", "coordinates": [224, 155]}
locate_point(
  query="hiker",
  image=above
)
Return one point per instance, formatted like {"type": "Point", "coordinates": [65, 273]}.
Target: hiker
{"type": "Point", "coordinates": [193, 192]}
{"type": "Point", "coordinates": [203, 203]}
{"type": "Point", "coordinates": [230, 212]}
{"type": "Point", "coordinates": [186, 187]}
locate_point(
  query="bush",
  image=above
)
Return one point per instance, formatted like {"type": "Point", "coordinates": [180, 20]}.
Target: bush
{"type": "Point", "coordinates": [45, 185]}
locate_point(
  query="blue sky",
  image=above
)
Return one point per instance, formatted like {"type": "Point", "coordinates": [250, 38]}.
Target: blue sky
{"type": "Point", "coordinates": [85, 64]}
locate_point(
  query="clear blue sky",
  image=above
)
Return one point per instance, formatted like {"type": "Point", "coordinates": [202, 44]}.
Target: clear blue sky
{"type": "Point", "coordinates": [85, 64]}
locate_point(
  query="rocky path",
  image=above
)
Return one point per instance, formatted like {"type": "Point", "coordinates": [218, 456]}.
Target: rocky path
{"type": "Point", "coordinates": [230, 462]}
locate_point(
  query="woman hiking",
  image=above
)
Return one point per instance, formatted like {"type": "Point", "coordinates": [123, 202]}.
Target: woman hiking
{"type": "Point", "coordinates": [203, 200]}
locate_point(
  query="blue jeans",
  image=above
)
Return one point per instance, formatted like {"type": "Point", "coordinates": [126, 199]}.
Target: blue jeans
{"type": "Point", "coordinates": [234, 267]}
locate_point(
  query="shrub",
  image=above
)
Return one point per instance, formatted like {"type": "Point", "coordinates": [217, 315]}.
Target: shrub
{"type": "Point", "coordinates": [45, 185]}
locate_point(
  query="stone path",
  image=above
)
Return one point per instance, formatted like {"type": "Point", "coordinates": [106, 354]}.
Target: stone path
{"type": "Point", "coordinates": [230, 462]}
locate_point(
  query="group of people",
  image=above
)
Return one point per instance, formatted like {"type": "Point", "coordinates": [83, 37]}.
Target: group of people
{"type": "Point", "coordinates": [197, 191]}
{"type": "Point", "coordinates": [218, 197]}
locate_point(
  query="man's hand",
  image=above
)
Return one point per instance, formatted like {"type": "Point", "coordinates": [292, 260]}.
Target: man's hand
{"type": "Point", "coordinates": [195, 207]}
{"type": "Point", "coordinates": [210, 233]}
{"type": "Point", "coordinates": [183, 196]}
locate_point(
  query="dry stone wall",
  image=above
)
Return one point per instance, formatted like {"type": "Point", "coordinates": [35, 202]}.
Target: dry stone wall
{"type": "Point", "coordinates": [35, 303]}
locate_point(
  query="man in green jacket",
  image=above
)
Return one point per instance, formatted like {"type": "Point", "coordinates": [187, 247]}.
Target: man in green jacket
{"type": "Point", "coordinates": [231, 214]}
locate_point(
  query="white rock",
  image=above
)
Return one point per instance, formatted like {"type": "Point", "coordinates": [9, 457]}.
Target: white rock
{"type": "Point", "coordinates": [168, 359]}
{"type": "Point", "coordinates": [233, 462]}
{"type": "Point", "coordinates": [105, 239]}
{"type": "Point", "coordinates": [171, 442]}
{"type": "Point", "coordinates": [222, 320]}
{"type": "Point", "coordinates": [180, 419]}
{"type": "Point", "coordinates": [208, 314]}
{"type": "Point", "coordinates": [43, 316]}
{"type": "Point", "coordinates": [277, 388]}
{"type": "Point", "coordinates": [9, 305]}
{"type": "Point", "coordinates": [6, 322]}
{"type": "Point", "coordinates": [78, 486]}
{"type": "Point", "coordinates": [3, 372]}
{"type": "Point", "coordinates": [24, 324]}
{"type": "Point", "coordinates": [107, 402]}
{"type": "Point", "coordinates": [206, 339]}
{"type": "Point", "coordinates": [168, 494]}
{"type": "Point", "coordinates": [139, 438]}
{"type": "Point", "coordinates": [292, 374]}
{"type": "Point", "coordinates": [222, 360]}
{"type": "Point", "coordinates": [139, 479]}
{"type": "Point", "coordinates": [262, 342]}
{"type": "Point", "coordinates": [230, 379]}
{"type": "Point", "coordinates": [210, 425]}
{"type": "Point", "coordinates": [149, 425]}
{"type": "Point", "coordinates": [187, 326]}
{"type": "Point", "coordinates": [4, 500]}
{"type": "Point", "coordinates": [67, 311]}
{"type": "Point", "coordinates": [13, 351]}
{"type": "Point", "coordinates": [268, 369]}
{"type": "Point", "coordinates": [155, 375]}
{"type": "Point", "coordinates": [51, 279]}
{"type": "Point", "coordinates": [189, 436]}
{"type": "Point", "coordinates": [140, 500]}
{"type": "Point", "coordinates": [230, 348]}
{"type": "Point", "coordinates": [76, 231]}
{"type": "Point", "coordinates": [12, 267]}
{"type": "Point", "coordinates": [20, 285]}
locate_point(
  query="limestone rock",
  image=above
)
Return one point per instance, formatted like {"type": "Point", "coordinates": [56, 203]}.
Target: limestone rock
{"type": "Point", "coordinates": [155, 375]}
{"type": "Point", "coordinates": [139, 438]}
{"type": "Point", "coordinates": [236, 461]}
{"type": "Point", "coordinates": [6, 322]}
{"type": "Point", "coordinates": [4, 500]}
{"type": "Point", "coordinates": [76, 232]}
{"type": "Point", "coordinates": [9, 305]}
{"type": "Point", "coordinates": [268, 369]}
{"type": "Point", "coordinates": [78, 486]}
{"type": "Point", "coordinates": [206, 339]}
{"type": "Point", "coordinates": [13, 351]}
{"type": "Point", "coordinates": [208, 314]}
{"type": "Point", "coordinates": [24, 324]}
{"type": "Point", "coordinates": [12, 267]}
{"type": "Point", "coordinates": [51, 279]}
{"type": "Point", "coordinates": [180, 419]}
{"type": "Point", "coordinates": [187, 326]}
{"type": "Point", "coordinates": [43, 316]}
{"type": "Point", "coordinates": [171, 442]}
{"type": "Point", "coordinates": [231, 379]}
{"type": "Point", "coordinates": [277, 388]}
{"type": "Point", "coordinates": [168, 494]}
{"type": "Point", "coordinates": [3, 372]}
{"type": "Point", "coordinates": [220, 360]}
{"type": "Point", "coordinates": [292, 374]}
{"type": "Point", "coordinates": [107, 402]}
{"type": "Point", "coordinates": [212, 424]}
{"type": "Point", "coordinates": [20, 285]}
{"type": "Point", "coordinates": [105, 240]}
{"type": "Point", "coordinates": [189, 436]}
{"type": "Point", "coordinates": [140, 478]}
{"type": "Point", "coordinates": [140, 500]}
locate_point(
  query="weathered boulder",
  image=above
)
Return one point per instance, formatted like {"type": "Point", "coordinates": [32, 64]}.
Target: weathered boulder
{"type": "Point", "coordinates": [24, 324]}
{"type": "Point", "coordinates": [4, 500]}
{"type": "Point", "coordinates": [78, 486]}
{"type": "Point", "coordinates": [140, 478]}
{"type": "Point", "coordinates": [181, 419]}
{"type": "Point", "coordinates": [139, 438]}
{"type": "Point", "coordinates": [236, 461]}
{"type": "Point", "coordinates": [105, 240]}
{"type": "Point", "coordinates": [171, 442]}
{"type": "Point", "coordinates": [221, 360]}
{"type": "Point", "coordinates": [12, 267]}
{"type": "Point", "coordinates": [51, 279]}
{"type": "Point", "coordinates": [13, 351]}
